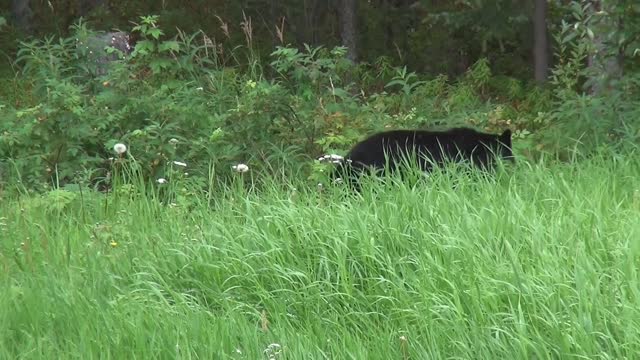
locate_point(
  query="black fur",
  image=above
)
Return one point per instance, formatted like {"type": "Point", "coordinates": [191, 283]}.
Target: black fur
{"type": "Point", "coordinates": [431, 148]}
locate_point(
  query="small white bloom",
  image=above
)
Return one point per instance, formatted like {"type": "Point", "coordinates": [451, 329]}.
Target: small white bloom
{"type": "Point", "coordinates": [120, 148]}
{"type": "Point", "coordinates": [162, 181]}
{"type": "Point", "coordinates": [241, 168]}
{"type": "Point", "coordinates": [173, 141]}
{"type": "Point", "coordinates": [334, 158]}
{"type": "Point", "coordinates": [273, 350]}
{"type": "Point", "coordinates": [180, 163]}
{"type": "Point", "coordinates": [199, 88]}
{"type": "Point", "coordinates": [338, 181]}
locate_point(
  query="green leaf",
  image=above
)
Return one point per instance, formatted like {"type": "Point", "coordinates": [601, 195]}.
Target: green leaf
{"type": "Point", "coordinates": [169, 46]}
{"type": "Point", "coordinates": [155, 33]}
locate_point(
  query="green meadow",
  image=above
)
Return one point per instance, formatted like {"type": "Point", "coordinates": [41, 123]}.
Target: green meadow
{"type": "Point", "coordinates": [538, 262]}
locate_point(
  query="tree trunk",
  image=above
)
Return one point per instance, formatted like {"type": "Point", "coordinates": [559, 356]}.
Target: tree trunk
{"type": "Point", "coordinates": [605, 64]}
{"type": "Point", "coordinates": [348, 24]}
{"type": "Point", "coordinates": [540, 42]}
{"type": "Point", "coordinates": [22, 15]}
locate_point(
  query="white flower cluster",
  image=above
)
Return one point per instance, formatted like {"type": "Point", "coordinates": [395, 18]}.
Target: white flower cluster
{"type": "Point", "coordinates": [241, 168]}
{"type": "Point", "coordinates": [333, 158]}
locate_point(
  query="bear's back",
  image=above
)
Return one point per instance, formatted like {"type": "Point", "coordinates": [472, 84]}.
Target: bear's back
{"type": "Point", "coordinates": [447, 142]}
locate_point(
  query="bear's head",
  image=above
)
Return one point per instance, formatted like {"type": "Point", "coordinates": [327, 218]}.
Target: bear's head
{"type": "Point", "coordinates": [505, 150]}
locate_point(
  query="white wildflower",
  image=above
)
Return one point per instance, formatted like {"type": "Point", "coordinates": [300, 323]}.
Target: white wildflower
{"type": "Point", "coordinates": [333, 158]}
{"type": "Point", "coordinates": [241, 168]}
{"type": "Point", "coordinates": [179, 163]}
{"type": "Point", "coordinates": [272, 351]}
{"type": "Point", "coordinates": [200, 88]}
{"type": "Point", "coordinates": [162, 181]}
{"type": "Point", "coordinates": [173, 141]}
{"type": "Point", "coordinates": [120, 148]}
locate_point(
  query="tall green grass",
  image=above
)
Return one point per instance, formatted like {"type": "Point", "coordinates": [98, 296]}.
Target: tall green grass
{"type": "Point", "coordinates": [540, 262]}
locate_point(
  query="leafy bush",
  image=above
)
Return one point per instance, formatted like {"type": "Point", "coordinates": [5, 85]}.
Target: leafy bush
{"type": "Point", "coordinates": [190, 100]}
{"type": "Point", "coordinates": [579, 119]}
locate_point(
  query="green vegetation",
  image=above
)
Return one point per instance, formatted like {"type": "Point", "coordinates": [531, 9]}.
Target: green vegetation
{"type": "Point", "coordinates": [179, 99]}
{"type": "Point", "coordinates": [172, 250]}
{"type": "Point", "coordinates": [540, 262]}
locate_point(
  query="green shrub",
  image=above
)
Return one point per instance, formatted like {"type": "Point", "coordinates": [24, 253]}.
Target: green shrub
{"type": "Point", "coordinates": [189, 100]}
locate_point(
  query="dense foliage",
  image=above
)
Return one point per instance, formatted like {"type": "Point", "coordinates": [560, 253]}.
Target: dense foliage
{"type": "Point", "coordinates": [187, 98]}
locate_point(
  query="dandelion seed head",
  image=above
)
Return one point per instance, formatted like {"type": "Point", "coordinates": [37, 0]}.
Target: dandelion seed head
{"type": "Point", "coordinates": [120, 148]}
{"type": "Point", "coordinates": [241, 168]}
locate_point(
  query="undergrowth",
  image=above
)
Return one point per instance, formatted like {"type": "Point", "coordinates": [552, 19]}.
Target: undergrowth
{"type": "Point", "coordinates": [189, 99]}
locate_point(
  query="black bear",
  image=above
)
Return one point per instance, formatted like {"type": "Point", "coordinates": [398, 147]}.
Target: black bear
{"type": "Point", "coordinates": [431, 148]}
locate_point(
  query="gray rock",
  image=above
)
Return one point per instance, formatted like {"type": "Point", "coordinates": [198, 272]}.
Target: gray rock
{"type": "Point", "coordinates": [95, 48]}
